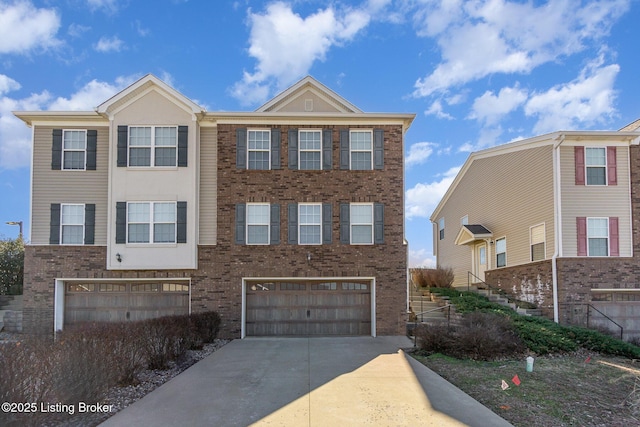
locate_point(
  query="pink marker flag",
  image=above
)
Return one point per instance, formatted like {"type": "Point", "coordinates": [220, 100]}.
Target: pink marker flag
{"type": "Point", "coordinates": [504, 385]}
{"type": "Point", "coordinates": [516, 380]}
{"type": "Point", "coordinates": [588, 360]}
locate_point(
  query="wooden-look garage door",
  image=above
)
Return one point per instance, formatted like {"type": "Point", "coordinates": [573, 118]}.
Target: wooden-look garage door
{"type": "Point", "coordinates": [113, 302]}
{"type": "Point", "coordinates": [308, 308]}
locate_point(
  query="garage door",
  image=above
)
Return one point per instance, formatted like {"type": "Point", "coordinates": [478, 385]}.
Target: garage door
{"type": "Point", "coordinates": [113, 302]}
{"type": "Point", "coordinates": [308, 308]}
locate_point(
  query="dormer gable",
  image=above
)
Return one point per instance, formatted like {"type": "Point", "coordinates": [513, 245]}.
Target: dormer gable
{"type": "Point", "coordinates": [308, 96]}
{"type": "Point", "coordinates": [141, 88]}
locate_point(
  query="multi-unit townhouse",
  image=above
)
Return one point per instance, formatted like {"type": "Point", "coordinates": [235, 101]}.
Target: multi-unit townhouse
{"type": "Point", "coordinates": [287, 220]}
{"type": "Point", "coordinates": [553, 220]}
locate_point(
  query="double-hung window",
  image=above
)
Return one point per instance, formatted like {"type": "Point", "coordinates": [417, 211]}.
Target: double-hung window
{"type": "Point", "coordinates": [596, 164]}
{"type": "Point", "coordinates": [598, 236]}
{"type": "Point", "coordinates": [537, 238]}
{"type": "Point", "coordinates": [441, 228]}
{"type": "Point", "coordinates": [361, 216]}
{"type": "Point", "coordinates": [151, 222]}
{"type": "Point", "coordinates": [501, 252]}
{"type": "Point", "coordinates": [74, 148]}
{"type": "Point", "coordinates": [258, 223]}
{"type": "Point", "coordinates": [310, 224]}
{"type": "Point", "coordinates": [361, 149]}
{"type": "Point", "coordinates": [153, 145]}
{"type": "Point", "coordinates": [72, 224]}
{"type": "Point", "coordinates": [259, 149]}
{"type": "Point", "coordinates": [310, 152]}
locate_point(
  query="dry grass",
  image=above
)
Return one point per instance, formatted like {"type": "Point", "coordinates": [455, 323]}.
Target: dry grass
{"type": "Point", "coordinates": [568, 390]}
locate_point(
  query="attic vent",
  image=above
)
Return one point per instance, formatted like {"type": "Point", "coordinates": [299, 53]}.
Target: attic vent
{"type": "Point", "coordinates": [308, 105]}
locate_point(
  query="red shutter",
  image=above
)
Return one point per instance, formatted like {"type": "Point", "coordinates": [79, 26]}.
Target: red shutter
{"type": "Point", "coordinates": [614, 237]}
{"type": "Point", "coordinates": [582, 235]}
{"type": "Point", "coordinates": [612, 168]}
{"type": "Point", "coordinates": [579, 156]}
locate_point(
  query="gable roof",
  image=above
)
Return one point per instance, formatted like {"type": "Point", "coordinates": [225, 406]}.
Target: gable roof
{"type": "Point", "coordinates": [139, 88]}
{"type": "Point", "coordinates": [308, 84]}
{"type": "Point", "coordinates": [471, 232]}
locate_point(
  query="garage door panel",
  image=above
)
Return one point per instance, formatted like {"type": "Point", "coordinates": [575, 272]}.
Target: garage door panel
{"type": "Point", "coordinates": [309, 308]}
{"type": "Point", "coordinates": [114, 302]}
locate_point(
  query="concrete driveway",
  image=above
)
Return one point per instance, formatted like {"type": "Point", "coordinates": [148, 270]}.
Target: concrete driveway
{"type": "Point", "coordinates": [346, 381]}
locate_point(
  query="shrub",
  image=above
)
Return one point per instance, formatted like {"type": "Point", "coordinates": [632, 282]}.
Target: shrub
{"type": "Point", "coordinates": [440, 277]}
{"type": "Point", "coordinates": [207, 325]}
{"type": "Point", "coordinates": [480, 336]}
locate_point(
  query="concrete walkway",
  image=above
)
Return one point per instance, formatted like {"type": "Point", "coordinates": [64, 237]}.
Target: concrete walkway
{"type": "Point", "coordinates": [308, 382]}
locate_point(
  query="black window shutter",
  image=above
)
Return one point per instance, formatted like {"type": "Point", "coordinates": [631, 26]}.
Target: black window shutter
{"type": "Point", "coordinates": [292, 223]}
{"type": "Point", "coordinates": [123, 136]}
{"type": "Point", "coordinates": [56, 150]}
{"type": "Point", "coordinates": [275, 224]}
{"type": "Point", "coordinates": [327, 149]}
{"type": "Point", "coordinates": [344, 149]}
{"type": "Point", "coordinates": [183, 146]}
{"type": "Point", "coordinates": [92, 146]}
{"type": "Point", "coordinates": [326, 223]}
{"type": "Point", "coordinates": [293, 149]}
{"type": "Point", "coordinates": [54, 231]}
{"type": "Point", "coordinates": [276, 142]}
{"type": "Point", "coordinates": [241, 209]}
{"type": "Point", "coordinates": [241, 149]}
{"type": "Point", "coordinates": [345, 223]}
{"type": "Point", "coordinates": [121, 222]}
{"type": "Point", "coordinates": [89, 223]}
{"type": "Point", "coordinates": [378, 223]}
{"type": "Point", "coordinates": [378, 148]}
{"type": "Point", "coordinates": [181, 224]}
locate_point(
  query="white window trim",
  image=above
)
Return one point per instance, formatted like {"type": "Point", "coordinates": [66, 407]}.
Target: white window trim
{"type": "Point", "coordinates": [505, 252]}
{"type": "Point", "coordinates": [351, 224]}
{"type": "Point", "coordinates": [259, 150]}
{"type": "Point", "coordinates": [152, 147]}
{"type": "Point", "coordinates": [599, 237]}
{"type": "Point", "coordinates": [151, 224]}
{"type": "Point", "coordinates": [544, 241]}
{"type": "Point", "coordinates": [351, 150]}
{"type": "Point", "coordinates": [300, 150]}
{"type": "Point", "coordinates": [464, 220]}
{"type": "Point", "coordinates": [268, 224]}
{"type": "Point", "coordinates": [605, 166]}
{"type": "Point", "coordinates": [84, 167]}
{"type": "Point", "coordinates": [62, 224]}
{"type": "Point", "coordinates": [441, 228]}
{"type": "Point", "coordinates": [300, 224]}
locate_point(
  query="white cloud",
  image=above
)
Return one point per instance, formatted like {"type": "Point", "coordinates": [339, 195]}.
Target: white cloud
{"type": "Point", "coordinates": [77, 30]}
{"type": "Point", "coordinates": [15, 137]}
{"type": "Point", "coordinates": [422, 199]}
{"type": "Point", "coordinates": [436, 110]}
{"type": "Point", "coordinates": [421, 258]}
{"type": "Point", "coordinates": [480, 38]}
{"type": "Point", "coordinates": [490, 108]}
{"type": "Point", "coordinates": [488, 137]}
{"type": "Point", "coordinates": [419, 153]}
{"type": "Point", "coordinates": [107, 6]}
{"type": "Point", "coordinates": [286, 45]}
{"type": "Point", "coordinates": [7, 84]}
{"type": "Point", "coordinates": [583, 102]}
{"type": "Point", "coordinates": [23, 27]}
{"type": "Point", "coordinates": [109, 44]}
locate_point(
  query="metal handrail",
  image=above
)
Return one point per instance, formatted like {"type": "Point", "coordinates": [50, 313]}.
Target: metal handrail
{"type": "Point", "coordinates": [415, 322]}
{"type": "Point", "coordinates": [589, 306]}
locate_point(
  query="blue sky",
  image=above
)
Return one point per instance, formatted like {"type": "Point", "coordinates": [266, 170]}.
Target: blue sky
{"type": "Point", "coordinates": [476, 73]}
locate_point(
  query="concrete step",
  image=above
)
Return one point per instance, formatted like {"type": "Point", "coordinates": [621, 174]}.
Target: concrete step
{"type": "Point", "coordinates": [11, 302]}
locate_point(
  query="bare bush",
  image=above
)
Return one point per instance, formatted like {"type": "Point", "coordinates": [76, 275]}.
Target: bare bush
{"type": "Point", "coordinates": [441, 277]}
{"type": "Point", "coordinates": [480, 336]}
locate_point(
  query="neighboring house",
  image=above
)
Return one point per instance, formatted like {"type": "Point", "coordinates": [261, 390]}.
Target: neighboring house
{"type": "Point", "coordinates": [552, 220]}
{"type": "Point", "coordinates": [287, 220]}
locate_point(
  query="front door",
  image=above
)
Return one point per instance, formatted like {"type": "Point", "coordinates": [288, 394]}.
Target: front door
{"type": "Point", "coordinates": [480, 261]}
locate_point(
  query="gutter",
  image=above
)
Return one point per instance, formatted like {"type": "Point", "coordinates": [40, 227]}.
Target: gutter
{"type": "Point", "coordinates": [557, 208]}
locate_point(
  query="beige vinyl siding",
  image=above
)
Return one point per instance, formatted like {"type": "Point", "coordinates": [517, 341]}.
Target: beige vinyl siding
{"type": "Point", "coordinates": [594, 201]}
{"type": "Point", "coordinates": [507, 193]}
{"type": "Point", "coordinates": [297, 104]}
{"type": "Point", "coordinates": [63, 186]}
{"type": "Point", "coordinates": [208, 185]}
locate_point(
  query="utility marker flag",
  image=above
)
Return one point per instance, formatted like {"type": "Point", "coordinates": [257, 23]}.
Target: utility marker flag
{"type": "Point", "coordinates": [588, 360]}
{"type": "Point", "coordinates": [516, 380]}
{"type": "Point", "coordinates": [504, 385]}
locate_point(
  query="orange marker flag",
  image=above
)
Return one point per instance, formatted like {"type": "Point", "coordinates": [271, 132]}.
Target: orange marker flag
{"type": "Point", "coordinates": [516, 380]}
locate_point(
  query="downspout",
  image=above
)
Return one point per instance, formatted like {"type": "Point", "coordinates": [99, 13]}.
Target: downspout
{"type": "Point", "coordinates": [557, 213]}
